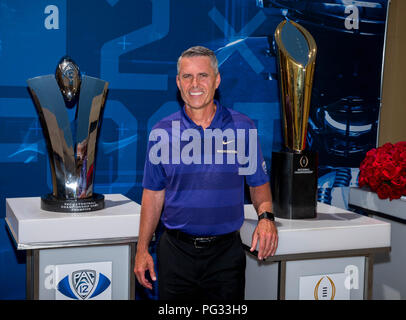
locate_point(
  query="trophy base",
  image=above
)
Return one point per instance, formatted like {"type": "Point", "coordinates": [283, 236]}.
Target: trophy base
{"type": "Point", "coordinates": [294, 184]}
{"type": "Point", "coordinates": [50, 203]}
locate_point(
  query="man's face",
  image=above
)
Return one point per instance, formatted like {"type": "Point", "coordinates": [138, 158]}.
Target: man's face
{"type": "Point", "coordinates": [197, 81]}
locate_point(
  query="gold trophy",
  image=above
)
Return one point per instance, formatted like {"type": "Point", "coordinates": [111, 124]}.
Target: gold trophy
{"type": "Point", "coordinates": [294, 170]}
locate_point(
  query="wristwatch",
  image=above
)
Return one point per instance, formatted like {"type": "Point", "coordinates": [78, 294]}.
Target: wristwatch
{"type": "Point", "coordinates": [266, 215]}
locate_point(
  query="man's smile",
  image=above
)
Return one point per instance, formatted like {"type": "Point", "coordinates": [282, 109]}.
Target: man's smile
{"type": "Point", "coordinates": [196, 93]}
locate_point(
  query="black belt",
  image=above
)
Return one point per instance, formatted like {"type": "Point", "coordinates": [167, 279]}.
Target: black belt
{"type": "Point", "coordinates": [200, 241]}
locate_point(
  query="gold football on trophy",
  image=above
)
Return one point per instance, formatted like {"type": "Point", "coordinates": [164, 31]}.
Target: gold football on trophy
{"type": "Point", "coordinates": [296, 60]}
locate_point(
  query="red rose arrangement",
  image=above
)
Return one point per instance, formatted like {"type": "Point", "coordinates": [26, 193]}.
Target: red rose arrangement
{"type": "Point", "coordinates": [384, 170]}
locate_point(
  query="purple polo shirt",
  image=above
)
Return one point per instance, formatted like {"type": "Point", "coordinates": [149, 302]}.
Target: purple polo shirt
{"type": "Point", "coordinates": [203, 196]}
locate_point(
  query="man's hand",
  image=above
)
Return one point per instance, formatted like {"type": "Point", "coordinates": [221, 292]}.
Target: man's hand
{"type": "Point", "coordinates": [267, 235]}
{"type": "Point", "coordinates": [151, 206]}
{"type": "Point", "coordinates": [265, 232]}
{"type": "Point", "coordinates": [144, 262]}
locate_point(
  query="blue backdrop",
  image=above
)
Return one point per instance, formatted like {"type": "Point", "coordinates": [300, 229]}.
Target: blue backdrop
{"type": "Point", "coordinates": [134, 46]}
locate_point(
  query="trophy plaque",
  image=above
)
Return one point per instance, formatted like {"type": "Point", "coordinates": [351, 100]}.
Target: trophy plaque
{"type": "Point", "coordinates": [71, 145]}
{"type": "Point", "coordinates": [294, 170]}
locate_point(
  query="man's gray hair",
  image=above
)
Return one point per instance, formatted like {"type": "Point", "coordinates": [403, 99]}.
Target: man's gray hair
{"type": "Point", "coordinates": [199, 51]}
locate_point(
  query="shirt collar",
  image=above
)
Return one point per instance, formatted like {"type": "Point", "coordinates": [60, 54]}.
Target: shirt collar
{"type": "Point", "coordinates": [215, 123]}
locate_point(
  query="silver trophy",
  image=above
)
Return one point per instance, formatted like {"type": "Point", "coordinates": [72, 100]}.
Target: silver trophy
{"type": "Point", "coordinates": [71, 148]}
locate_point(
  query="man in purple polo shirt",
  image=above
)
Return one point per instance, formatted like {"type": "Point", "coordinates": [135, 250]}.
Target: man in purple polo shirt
{"type": "Point", "coordinates": [197, 161]}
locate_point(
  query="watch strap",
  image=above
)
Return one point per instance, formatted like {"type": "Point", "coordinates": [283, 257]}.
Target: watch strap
{"type": "Point", "coordinates": [266, 215]}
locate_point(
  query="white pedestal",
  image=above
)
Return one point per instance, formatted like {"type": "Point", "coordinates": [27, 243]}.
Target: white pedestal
{"type": "Point", "coordinates": [389, 280]}
{"type": "Point", "coordinates": [319, 247]}
{"type": "Point", "coordinates": [77, 256]}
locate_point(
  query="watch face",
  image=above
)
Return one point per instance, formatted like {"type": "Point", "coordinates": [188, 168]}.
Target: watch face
{"type": "Point", "coordinates": [266, 215]}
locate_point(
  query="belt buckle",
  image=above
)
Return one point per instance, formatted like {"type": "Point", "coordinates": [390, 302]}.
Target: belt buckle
{"type": "Point", "coordinates": [207, 242]}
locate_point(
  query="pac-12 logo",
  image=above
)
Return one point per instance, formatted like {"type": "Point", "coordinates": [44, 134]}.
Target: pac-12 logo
{"type": "Point", "coordinates": [83, 284]}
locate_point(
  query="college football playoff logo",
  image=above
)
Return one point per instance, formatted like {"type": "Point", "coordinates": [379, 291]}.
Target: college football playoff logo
{"type": "Point", "coordinates": [304, 161]}
{"type": "Point", "coordinates": [328, 290]}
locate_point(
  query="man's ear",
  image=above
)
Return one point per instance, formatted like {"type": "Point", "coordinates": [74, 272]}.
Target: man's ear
{"type": "Point", "coordinates": [178, 81]}
{"type": "Point", "coordinates": [218, 80]}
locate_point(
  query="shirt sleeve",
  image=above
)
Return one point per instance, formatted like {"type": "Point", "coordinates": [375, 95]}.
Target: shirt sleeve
{"type": "Point", "coordinates": [154, 174]}
{"type": "Point", "coordinates": [257, 175]}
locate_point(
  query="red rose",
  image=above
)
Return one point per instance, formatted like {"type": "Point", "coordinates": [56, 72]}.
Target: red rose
{"type": "Point", "coordinates": [400, 144]}
{"type": "Point", "coordinates": [399, 181]}
{"type": "Point", "coordinates": [402, 158]}
{"type": "Point", "coordinates": [367, 162]}
{"type": "Point", "coordinates": [386, 147]}
{"type": "Point", "coordinates": [377, 174]}
{"type": "Point", "coordinates": [374, 183]}
{"type": "Point", "coordinates": [389, 171]}
{"type": "Point", "coordinates": [382, 157]}
{"type": "Point", "coordinates": [383, 191]}
{"type": "Point", "coordinates": [365, 177]}
{"type": "Point", "coordinates": [395, 193]}
{"type": "Point", "coordinates": [371, 153]}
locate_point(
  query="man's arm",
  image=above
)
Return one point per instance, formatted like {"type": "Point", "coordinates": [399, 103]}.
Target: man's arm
{"type": "Point", "coordinates": [265, 232]}
{"type": "Point", "coordinates": [151, 207]}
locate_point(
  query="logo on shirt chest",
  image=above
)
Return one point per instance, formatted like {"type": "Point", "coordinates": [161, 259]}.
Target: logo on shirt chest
{"type": "Point", "coordinates": [228, 143]}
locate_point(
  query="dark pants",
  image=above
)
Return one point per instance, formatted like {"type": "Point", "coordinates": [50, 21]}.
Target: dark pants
{"type": "Point", "coordinates": [189, 273]}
